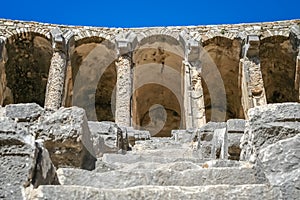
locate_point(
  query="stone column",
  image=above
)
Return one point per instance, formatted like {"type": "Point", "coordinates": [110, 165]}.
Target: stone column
{"type": "Point", "coordinates": [6, 96]}
{"type": "Point", "coordinates": [2, 71]}
{"type": "Point", "coordinates": [187, 95]}
{"type": "Point", "coordinates": [123, 90]}
{"type": "Point", "coordinates": [253, 91]}
{"type": "Point", "coordinates": [295, 41]}
{"type": "Point", "coordinates": [57, 70]}
{"type": "Point", "coordinates": [126, 42]}
{"type": "Point", "coordinates": [194, 109]}
{"type": "Point", "coordinates": [297, 84]}
{"type": "Point", "coordinates": [197, 99]}
{"type": "Point", "coordinates": [68, 88]}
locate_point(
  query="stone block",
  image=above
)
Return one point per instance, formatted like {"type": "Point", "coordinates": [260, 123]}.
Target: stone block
{"type": "Point", "coordinates": [2, 112]}
{"type": "Point", "coordinates": [267, 125]}
{"type": "Point", "coordinates": [211, 126]}
{"type": "Point", "coordinates": [280, 112]}
{"type": "Point", "coordinates": [24, 112]}
{"type": "Point", "coordinates": [235, 125]}
{"type": "Point", "coordinates": [138, 134]}
{"type": "Point", "coordinates": [183, 136]}
{"type": "Point", "coordinates": [23, 161]}
{"type": "Point", "coordinates": [226, 163]}
{"type": "Point", "coordinates": [174, 166]}
{"type": "Point", "coordinates": [213, 192]}
{"type": "Point", "coordinates": [207, 131]}
{"type": "Point", "coordinates": [104, 137]}
{"type": "Point", "coordinates": [67, 137]}
{"type": "Point", "coordinates": [220, 144]}
{"type": "Point", "coordinates": [281, 164]}
{"type": "Point", "coordinates": [160, 177]}
{"type": "Point", "coordinates": [211, 144]}
{"type": "Point", "coordinates": [102, 128]}
{"type": "Point", "coordinates": [119, 159]}
{"type": "Point", "coordinates": [234, 149]}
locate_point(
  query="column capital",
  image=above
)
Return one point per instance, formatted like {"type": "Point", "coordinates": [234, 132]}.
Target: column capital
{"type": "Point", "coordinates": [295, 37]}
{"type": "Point", "coordinates": [251, 46]}
{"type": "Point", "coordinates": [191, 48]}
{"type": "Point", "coordinates": [195, 66]}
{"type": "Point", "coordinates": [62, 41]}
{"type": "Point", "coordinates": [3, 56]}
{"type": "Point", "coordinates": [126, 42]}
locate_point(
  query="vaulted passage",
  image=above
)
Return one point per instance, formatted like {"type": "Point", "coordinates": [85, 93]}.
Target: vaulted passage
{"type": "Point", "coordinates": [105, 94]}
{"type": "Point", "coordinates": [225, 54]}
{"type": "Point", "coordinates": [156, 109]}
{"type": "Point", "coordinates": [26, 69]}
{"type": "Point", "coordinates": [157, 96]}
{"type": "Point", "coordinates": [93, 78]}
{"type": "Point", "coordinates": [278, 65]}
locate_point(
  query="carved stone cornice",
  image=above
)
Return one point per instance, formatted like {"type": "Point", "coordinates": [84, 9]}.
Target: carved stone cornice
{"type": "Point", "coordinates": [295, 37]}
{"type": "Point", "coordinates": [2, 49]}
{"type": "Point", "coordinates": [62, 41]}
{"type": "Point", "coordinates": [251, 47]}
{"type": "Point", "coordinates": [191, 48]}
{"type": "Point", "coordinates": [126, 42]}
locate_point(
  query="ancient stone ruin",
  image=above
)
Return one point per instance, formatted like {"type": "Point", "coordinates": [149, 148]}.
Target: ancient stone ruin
{"type": "Point", "coordinates": [197, 112]}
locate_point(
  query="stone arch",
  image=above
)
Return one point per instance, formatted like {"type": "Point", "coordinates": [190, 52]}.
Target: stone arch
{"type": "Point", "coordinates": [275, 33]}
{"type": "Point", "coordinates": [25, 32]}
{"type": "Point", "coordinates": [94, 77]}
{"type": "Point", "coordinates": [163, 32]}
{"type": "Point", "coordinates": [162, 49]}
{"type": "Point", "coordinates": [278, 65]}
{"type": "Point", "coordinates": [158, 68]}
{"type": "Point", "coordinates": [225, 53]}
{"type": "Point", "coordinates": [223, 33]}
{"type": "Point", "coordinates": [27, 66]}
{"type": "Point", "coordinates": [90, 35]}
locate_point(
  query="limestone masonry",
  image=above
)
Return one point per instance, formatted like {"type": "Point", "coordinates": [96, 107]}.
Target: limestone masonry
{"type": "Point", "coordinates": [196, 112]}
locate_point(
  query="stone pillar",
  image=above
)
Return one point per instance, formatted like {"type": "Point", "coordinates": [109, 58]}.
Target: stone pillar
{"type": "Point", "coordinates": [2, 71]}
{"type": "Point", "coordinates": [2, 49]}
{"type": "Point", "coordinates": [68, 88]}
{"type": "Point", "coordinates": [197, 99]}
{"type": "Point", "coordinates": [6, 96]}
{"type": "Point", "coordinates": [123, 90]}
{"type": "Point", "coordinates": [57, 70]}
{"type": "Point", "coordinates": [194, 109]}
{"type": "Point", "coordinates": [187, 96]}
{"type": "Point", "coordinates": [295, 41]}
{"type": "Point", "coordinates": [297, 81]}
{"type": "Point", "coordinates": [253, 91]}
{"type": "Point", "coordinates": [126, 42]}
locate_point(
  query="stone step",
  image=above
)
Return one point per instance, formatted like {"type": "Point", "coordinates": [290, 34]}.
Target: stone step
{"type": "Point", "coordinates": [176, 152]}
{"type": "Point", "coordinates": [121, 160]}
{"type": "Point", "coordinates": [215, 192]}
{"type": "Point", "coordinates": [177, 166]}
{"type": "Point", "coordinates": [159, 177]}
{"type": "Point", "coordinates": [157, 143]}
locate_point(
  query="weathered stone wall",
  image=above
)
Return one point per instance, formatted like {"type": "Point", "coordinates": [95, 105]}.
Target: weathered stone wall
{"type": "Point", "coordinates": [251, 72]}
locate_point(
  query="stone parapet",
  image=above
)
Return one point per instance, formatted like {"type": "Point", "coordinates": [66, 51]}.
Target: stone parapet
{"type": "Point", "coordinates": [9, 28]}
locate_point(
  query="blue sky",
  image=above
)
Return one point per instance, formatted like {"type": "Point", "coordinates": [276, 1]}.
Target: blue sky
{"type": "Point", "coordinates": [112, 13]}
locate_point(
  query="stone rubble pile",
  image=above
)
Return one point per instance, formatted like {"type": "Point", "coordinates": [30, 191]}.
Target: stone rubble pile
{"type": "Point", "coordinates": [60, 155]}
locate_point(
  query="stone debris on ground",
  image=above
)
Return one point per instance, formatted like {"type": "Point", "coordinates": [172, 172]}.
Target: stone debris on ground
{"type": "Point", "coordinates": [153, 168]}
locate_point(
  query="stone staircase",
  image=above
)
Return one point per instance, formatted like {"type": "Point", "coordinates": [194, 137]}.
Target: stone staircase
{"type": "Point", "coordinates": [60, 155]}
{"type": "Point", "coordinates": [159, 168]}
